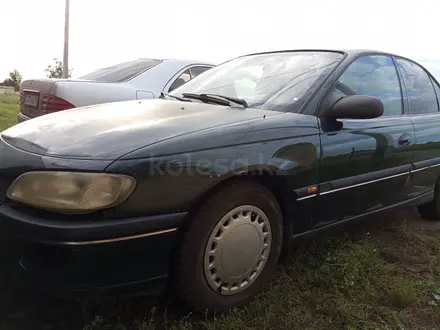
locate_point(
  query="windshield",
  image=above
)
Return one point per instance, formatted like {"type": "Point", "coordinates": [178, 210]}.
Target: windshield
{"type": "Point", "coordinates": [274, 81]}
{"type": "Point", "coordinates": [120, 72]}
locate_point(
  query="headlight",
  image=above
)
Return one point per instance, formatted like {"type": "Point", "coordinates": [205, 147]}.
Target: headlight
{"type": "Point", "coordinates": [71, 192]}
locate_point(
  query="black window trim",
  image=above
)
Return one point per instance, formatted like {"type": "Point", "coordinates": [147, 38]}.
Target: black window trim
{"type": "Point", "coordinates": [431, 78]}
{"type": "Point", "coordinates": [403, 89]}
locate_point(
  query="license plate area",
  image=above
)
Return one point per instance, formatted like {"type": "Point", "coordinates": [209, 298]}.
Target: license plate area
{"type": "Point", "coordinates": [31, 99]}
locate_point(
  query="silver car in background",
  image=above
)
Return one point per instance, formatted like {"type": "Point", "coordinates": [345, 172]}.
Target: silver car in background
{"type": "Point", "coordinates": [138, 79]}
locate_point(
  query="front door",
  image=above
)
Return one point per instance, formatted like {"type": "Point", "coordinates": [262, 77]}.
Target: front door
{"type": "Point", "coordinates": [365, 164]}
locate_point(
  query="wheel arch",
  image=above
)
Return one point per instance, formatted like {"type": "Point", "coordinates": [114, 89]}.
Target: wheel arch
{"type": "Point", "coordinates": [285, 197]}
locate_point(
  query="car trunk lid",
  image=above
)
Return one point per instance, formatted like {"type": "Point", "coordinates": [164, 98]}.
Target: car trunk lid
{"type": "Point", "coordinates": [31, 96]}
{"type": "Point", "coordinates": [38, 97]}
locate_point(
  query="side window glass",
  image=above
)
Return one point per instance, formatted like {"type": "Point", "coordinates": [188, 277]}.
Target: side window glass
{"type": "Point", "coordinates": [196, 70]}
{"type": "Point", "coordinates": [375, 76]}
{"type": "Point", "coordinates": [422, 98]}
{"type": "Point", "coordinates": [182, 79]}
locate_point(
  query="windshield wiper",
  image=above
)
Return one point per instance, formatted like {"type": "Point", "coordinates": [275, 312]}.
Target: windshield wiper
{"type": "Point", "coordinates": [163, 96]}
{"type": "Point", "coordinates": [216, 98]}
{"type": "Point", "coordinates": [232, 99]}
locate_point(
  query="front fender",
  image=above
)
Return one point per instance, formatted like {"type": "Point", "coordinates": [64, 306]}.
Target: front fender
{"type": "Point", "coordinates": [171, 181]}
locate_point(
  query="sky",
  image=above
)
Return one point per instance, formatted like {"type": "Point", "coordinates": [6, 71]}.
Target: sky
{"type": "Point", "coordinates": [105, 32]}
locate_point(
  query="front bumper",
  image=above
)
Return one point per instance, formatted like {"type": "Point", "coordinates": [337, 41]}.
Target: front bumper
{"type": "Point", "coordinates": [92, 258]}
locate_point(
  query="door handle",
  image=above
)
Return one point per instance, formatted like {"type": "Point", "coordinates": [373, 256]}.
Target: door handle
{"type": "Point", "coordinates": [405, 140]}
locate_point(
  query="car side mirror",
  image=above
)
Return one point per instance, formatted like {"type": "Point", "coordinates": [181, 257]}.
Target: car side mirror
{"type": "Point", "coordinates": [356, 107]}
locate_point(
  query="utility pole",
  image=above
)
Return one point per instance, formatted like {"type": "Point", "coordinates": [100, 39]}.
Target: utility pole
{"type": "Point", "coordinates": [66, 42]}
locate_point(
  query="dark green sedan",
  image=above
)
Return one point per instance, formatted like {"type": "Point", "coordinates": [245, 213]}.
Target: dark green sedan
{"type": "Point", "coordinates": [201, 190]}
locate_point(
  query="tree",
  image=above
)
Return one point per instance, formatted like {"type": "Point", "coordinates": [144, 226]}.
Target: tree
{"type": "Point", "coordinates": [7, 82]}
{"type": "Point", "coordinates": [56, 70]}
{"type": "Point", "coordinates": [14, 79]}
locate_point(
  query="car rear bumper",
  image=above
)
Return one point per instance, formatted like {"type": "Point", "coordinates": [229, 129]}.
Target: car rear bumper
{"type": "Point", "coordinates": [93, 258]}
{"type": "Point", "coordinates": [21, 117]}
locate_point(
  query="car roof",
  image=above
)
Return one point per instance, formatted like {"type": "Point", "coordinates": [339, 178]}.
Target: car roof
{"type": "Point", "coordinates": [185, 62]}
{"type": "Point", "coordinates": [349, 52]}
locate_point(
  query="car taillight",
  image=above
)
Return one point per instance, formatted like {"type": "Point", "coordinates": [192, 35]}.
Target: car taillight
{"type": "Point", "coordinates": [52, 103]}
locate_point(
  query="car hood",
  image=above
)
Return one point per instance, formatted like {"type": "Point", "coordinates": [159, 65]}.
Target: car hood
{"type": "Point", "coordinates": [109, 131]}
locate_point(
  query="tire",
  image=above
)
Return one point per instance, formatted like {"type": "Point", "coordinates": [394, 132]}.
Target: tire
{"type": "Point", "coordinates": [431, 210]}
{"type": "Point", "coordinates": [204, 287]}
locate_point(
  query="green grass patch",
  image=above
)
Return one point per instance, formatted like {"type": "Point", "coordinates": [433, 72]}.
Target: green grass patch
{"type": "Point", "coordinates": [9, 108]}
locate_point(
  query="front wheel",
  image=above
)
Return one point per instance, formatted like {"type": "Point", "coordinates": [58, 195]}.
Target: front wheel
{"type": "Point", "coordinates": [230, 247]}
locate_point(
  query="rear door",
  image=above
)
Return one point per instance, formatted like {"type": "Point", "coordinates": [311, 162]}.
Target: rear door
{"type": "Point", "coordinates": [365, 163]}
{"type": "Point", "coordinates": [423, 93]}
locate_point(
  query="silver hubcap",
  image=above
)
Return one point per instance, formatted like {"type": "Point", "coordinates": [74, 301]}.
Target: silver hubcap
{"type": "Point", "coordinates": [237, 250]}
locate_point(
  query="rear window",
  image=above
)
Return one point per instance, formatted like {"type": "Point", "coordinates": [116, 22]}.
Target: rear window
{"type": "Point", "coordinates": [121, 72]}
